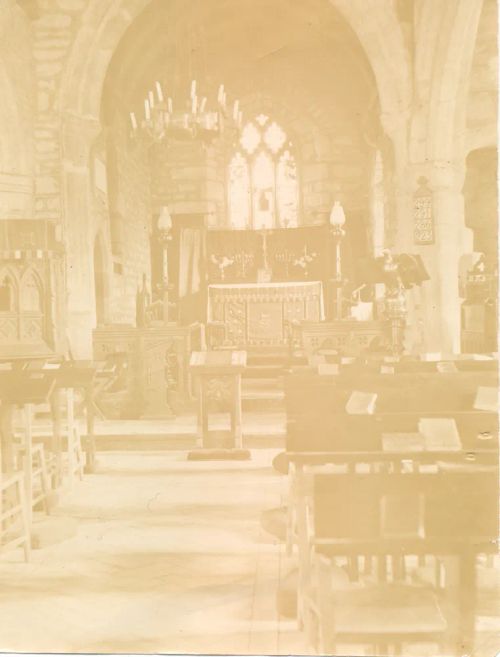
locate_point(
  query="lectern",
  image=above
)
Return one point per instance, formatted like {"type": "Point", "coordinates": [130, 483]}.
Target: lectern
{"type": "Point", "coordinates": [218, 375]}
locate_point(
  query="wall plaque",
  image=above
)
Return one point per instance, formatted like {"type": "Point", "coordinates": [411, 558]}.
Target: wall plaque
{"type": "Point", "coordinates": [423, 220]}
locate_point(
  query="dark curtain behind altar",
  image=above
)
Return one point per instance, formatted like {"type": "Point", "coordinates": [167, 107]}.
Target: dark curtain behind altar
{"type": "Point", "coordinates": [289, 254]}
{"type": "Point", "coordinates": [198, 257]}
{"type": "Point", "coordinates": [186, 267]}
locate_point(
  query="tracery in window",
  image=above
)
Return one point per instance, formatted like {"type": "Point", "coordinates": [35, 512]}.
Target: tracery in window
{"type": "Point", "coordinates": [263, 185]}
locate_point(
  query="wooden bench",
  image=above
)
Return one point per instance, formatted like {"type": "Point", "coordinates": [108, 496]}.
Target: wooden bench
{"type": "Point", "coordinates": [399, 522]}
{"type": "Point", "coordinates": [309, 393]}
{"type": "Point", "coordinates": [321, 434]}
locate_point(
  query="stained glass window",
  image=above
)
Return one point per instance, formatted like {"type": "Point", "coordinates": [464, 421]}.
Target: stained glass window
{"type": "Point", "coordinates": [262, 179]}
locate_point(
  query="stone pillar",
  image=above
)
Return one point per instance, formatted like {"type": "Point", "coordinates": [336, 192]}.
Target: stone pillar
{"type": "Point", "coordinates": [439, 304]}
{"type": "Point", "coordinates": [78, 135]}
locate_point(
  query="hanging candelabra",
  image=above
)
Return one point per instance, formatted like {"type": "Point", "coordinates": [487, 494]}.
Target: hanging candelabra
{"type": "Point", "coordinates": [194, 120]}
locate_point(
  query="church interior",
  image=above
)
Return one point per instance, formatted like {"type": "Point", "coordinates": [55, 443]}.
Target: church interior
{"type": "Point", "coordinates": [248, 327]}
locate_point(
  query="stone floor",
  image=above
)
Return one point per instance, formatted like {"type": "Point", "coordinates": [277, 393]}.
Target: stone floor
{"type": "Point", "coordinates": [169, 557]}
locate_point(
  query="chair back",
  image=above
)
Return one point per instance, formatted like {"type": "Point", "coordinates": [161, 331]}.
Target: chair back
{"type": "Point", "coordinates": [411, 513]}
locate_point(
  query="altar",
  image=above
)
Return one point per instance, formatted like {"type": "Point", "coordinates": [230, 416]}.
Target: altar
{"type": "Point", "coordinates": [256, 314]}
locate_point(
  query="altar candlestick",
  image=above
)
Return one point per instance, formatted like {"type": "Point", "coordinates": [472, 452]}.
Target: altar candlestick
{"type": "Point", "coordinates": [203, 103]}
{"type": "Point", "coordinates": [194, 104]}
{"type": "Point", "coordinates": [133, 121]}
{"type": "Point", "coordinates": [147, 110]}
{"type": "Point", "coordinates": [193, 88]}
{"type": "Point", "coordinates": [151, 97]}
{"type": "Point", "coordinates": [170, 105]}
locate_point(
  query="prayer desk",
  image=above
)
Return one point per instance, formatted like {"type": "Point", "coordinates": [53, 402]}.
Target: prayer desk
{"type": "Point", "coordinates": [219, 380]}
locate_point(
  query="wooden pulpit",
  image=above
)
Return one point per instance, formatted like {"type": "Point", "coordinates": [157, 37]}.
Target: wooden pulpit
{"type": "Point", "coordinates": [218, 375]}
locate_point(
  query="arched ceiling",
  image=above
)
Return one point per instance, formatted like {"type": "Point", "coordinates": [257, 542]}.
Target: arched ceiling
{"type": "Point", "coordinates": [300, 54]}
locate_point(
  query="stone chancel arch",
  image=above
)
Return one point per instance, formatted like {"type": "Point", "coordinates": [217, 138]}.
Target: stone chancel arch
{"type": "Point", "coordinates": [421, 98]}
{"type": "Point", "coordinates": [231, 228]}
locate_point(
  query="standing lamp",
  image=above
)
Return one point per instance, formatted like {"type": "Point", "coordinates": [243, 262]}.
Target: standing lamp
{"type": "Point", "coordinates": [164, 226]}
{"type": "Point", "coordinates": [337, 221]}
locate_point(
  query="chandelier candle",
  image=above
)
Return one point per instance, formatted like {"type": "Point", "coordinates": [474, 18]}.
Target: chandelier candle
{"type": "Point", "coordinates": [159, 92]}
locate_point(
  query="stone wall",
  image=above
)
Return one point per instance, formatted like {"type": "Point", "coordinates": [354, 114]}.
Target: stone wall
{"type": "Point", "coordinates": [332, 162]}
{"type": "Point", "coordinates": [130, 203]}
{"type": "Point", "coordinates": [16, 114]}
{"type": "Point", "coordinates": [189, 177]}
{"type": "Point", "coordinates": [53, 34]}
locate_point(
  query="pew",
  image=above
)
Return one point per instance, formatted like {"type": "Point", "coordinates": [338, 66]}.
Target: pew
{"type": "Point", "coordinates": [397, 521]}
{"type": "Point", "coordinates": [321, 435]}
{"type": "Point", "coordinates": [309, 393]}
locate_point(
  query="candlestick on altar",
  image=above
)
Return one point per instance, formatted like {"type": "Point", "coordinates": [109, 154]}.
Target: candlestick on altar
{"type": "Point", "coordinates": [147, 110]}
{"type": "Point", "coordinates": [133, 121]}
{"type": "Point", "coordinates": [151, 97]}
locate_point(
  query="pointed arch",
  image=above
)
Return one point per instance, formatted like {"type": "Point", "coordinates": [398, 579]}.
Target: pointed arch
{"type": "Point", "coordinates": [31, 292]}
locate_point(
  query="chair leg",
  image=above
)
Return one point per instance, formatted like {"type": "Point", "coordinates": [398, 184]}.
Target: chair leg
{"type": "Point", "coordinates": [26, 529]}
{"type": "Point", "coordinates": [80, 459]}
{"type": "Point", "coordinates": [44, 475]}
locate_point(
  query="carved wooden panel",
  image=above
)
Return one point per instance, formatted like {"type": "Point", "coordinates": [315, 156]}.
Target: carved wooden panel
{"type": "Point", "coordinates": [257, 315]}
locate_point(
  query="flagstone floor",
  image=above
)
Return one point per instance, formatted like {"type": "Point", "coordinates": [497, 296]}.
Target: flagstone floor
{"type": "Point", "coordinates": [169, 557]}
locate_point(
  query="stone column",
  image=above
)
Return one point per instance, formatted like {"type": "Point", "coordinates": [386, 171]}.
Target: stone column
{"type": "Point", "coordinates": [438, 312]}
{"type": "Point", "coordinates": [78, 135]}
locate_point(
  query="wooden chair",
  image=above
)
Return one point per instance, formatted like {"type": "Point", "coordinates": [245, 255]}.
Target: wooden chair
{"type": "Point", "coordinates": [14, 521]}
{"type": "Point", "coordinates": [392, 520]}
{"type": "Point", "coordinates": [40, 491]}
{"type": "Point", "coordinates": [64, 458]}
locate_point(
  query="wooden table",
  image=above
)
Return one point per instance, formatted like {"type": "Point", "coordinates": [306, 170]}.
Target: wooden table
{"type": "Point", "coordinates": [219, 380]}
